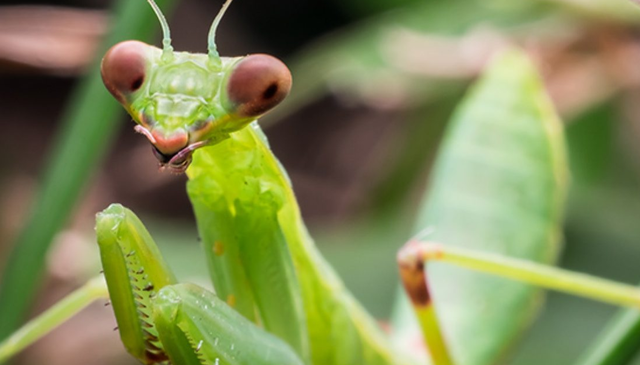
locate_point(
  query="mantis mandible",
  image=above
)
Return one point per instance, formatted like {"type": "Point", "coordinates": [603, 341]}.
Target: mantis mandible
{"type": "Point", "coordinates": [276, 300]}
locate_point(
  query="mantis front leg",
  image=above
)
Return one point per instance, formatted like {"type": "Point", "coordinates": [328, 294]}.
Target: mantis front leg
{"type": "Point", "coordinates": [247, 253]}
{"type": "Point", "coordinates": [158, 319]}
{"type": "Point", "coordinates": [415, 257]}
{"type": "Point", "coordinates": [161, 320]}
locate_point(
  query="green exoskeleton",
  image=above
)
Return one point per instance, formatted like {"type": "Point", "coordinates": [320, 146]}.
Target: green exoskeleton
{"type": "Point", "coordinates": [262, 262]}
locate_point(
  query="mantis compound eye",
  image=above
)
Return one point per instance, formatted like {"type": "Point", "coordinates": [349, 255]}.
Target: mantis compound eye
{"type": "Point", "coordinates": [258, 83]}
{"type": "Point", "coordinates": [124, 68]}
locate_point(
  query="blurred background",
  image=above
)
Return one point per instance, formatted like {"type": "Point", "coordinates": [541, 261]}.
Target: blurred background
{"type": "Point", "coordinates": [375, 82]}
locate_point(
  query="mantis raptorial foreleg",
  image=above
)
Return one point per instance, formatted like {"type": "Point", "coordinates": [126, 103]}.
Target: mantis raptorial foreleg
{"type": "Point", "coordinates": [415, 256]}
{"type": "Point", "coordinates": [159, 320]}
{"type": "Point", "coordinates": [198, 328]}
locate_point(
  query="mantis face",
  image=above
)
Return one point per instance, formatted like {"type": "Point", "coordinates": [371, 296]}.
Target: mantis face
{"type": "Point", "coordinates": [182, 101]}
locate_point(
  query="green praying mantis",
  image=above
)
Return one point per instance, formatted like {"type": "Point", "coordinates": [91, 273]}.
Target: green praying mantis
{"type": "Point", "coordinates": [276, 300]}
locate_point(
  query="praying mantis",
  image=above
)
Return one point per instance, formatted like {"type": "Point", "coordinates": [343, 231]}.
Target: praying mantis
{"type": "Point", "coordinates": [276, 300]}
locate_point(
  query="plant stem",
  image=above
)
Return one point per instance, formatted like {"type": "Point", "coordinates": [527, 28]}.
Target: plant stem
{"type": "Point", "coordinates": [53, 317]}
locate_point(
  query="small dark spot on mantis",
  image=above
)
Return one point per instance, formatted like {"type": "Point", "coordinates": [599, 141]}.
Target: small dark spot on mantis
{"type": "Point", "coordinates": [115, 328]}
{"type": "Point", "coordinates": [231, 300]}
{"type": "Point", "coordinates": [148, 287]}
{"type": "Point", "coordinates": [270, 91]}
{"type": "Point", "coordinates": [218, 248]}
{"type": "Point", "coordinates": [107, 304]}
{"type": "Point", "coordinates": [135, 85]}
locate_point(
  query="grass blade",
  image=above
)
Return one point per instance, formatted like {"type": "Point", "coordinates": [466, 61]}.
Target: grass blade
{"type": "Point", "coordinates": [618, 343]}
{"type": "Point", "coordinates": [81, 142]}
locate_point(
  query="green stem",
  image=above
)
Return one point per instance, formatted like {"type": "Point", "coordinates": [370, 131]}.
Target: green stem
{"type": "Point", "coordinates": [536, 274]}
{"type": "Point", "coordinates": [53, 317]}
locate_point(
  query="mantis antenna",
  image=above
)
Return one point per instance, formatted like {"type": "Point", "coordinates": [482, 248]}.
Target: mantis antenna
{"type": "Point", "coordinates": [213, 49]}
{"type": "Point", "coordinates": [166, 33]}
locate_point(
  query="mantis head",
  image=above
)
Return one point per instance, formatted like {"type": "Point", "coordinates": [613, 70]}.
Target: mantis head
{"type": "Point", "coordinates": [182, 101]}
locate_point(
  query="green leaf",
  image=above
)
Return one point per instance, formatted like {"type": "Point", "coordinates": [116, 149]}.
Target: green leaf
{"type": "Point", "coordinates": [618, 342]}
{"type": "Point", "coordinates": [498, 185]}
